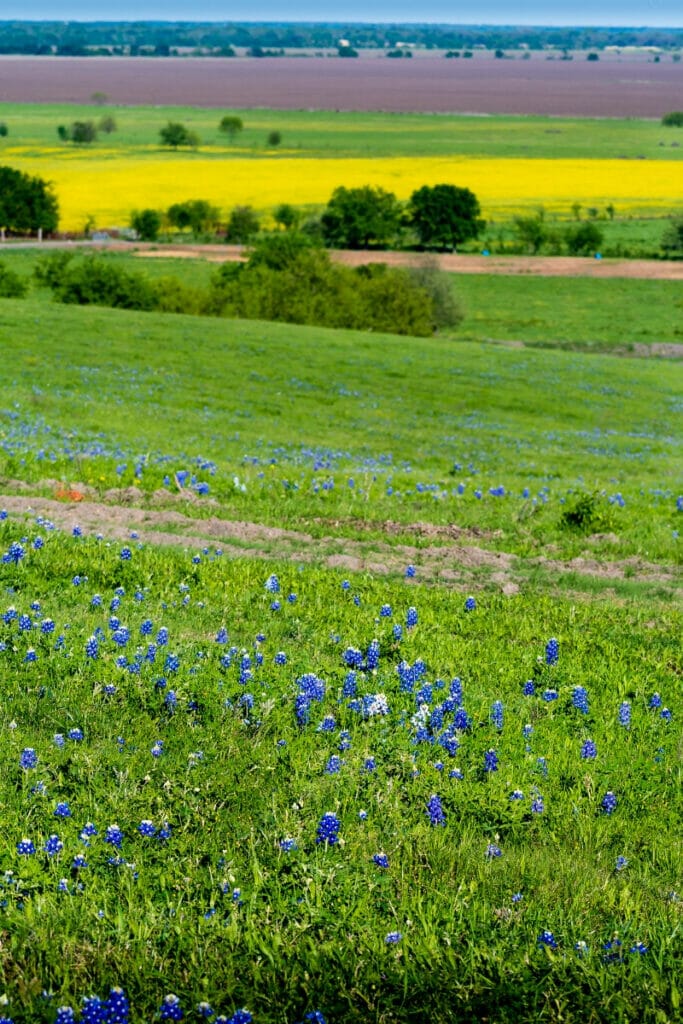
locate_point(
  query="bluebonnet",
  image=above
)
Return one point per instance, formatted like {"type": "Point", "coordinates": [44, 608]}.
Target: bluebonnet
{"type": "Point", "coordinates": [550, 695]}
{"type": "Point", "coordinates": [328, 829]}
{"type": "Point", "coordinates": [65, 1015]}
{"type": "Point", "coordinates": [334, 765]}
{"type": "Point", "coordinates": [372, 656]}
{"type": "Point", "coordinates": [537, 805]}
{"type": "Point", "coordinates": [491, 761]}
{"type": "Point", "coordinates": [497, 714]}
{"type": "Point", "coordinates": [287, 845]}
{"type": "Point", "coordinates": [53, 845]}
{"type": "Point", "coordinates": [470, 604]}
{"type": "Point", "coordinates": [87, 832]}
{"type": "Point", "coordinates": [625, 714]}
{"type": "Point", "coordinates": [552, 651]}
{"type": "Point", "coordinates": [114, 836]}
{"type": "Point", "coordinates": [15, 553]}
{"type": "Point", "coordinates": [381, 860]}
{"type": "Point", "coordinates": [621, 863]}
{"type": "Point", "coordinates": [435, 811]}
{"type": "Point", "coordinates": [547, 938]}
{"type": "Point", "coordinates": [665, 714]}
{"type": "Point", "coordinates": [117, 1007]}
{"type": "Point", "coordinates": [47, 626]}
{"type": "Point", "coordinates": [146, 828]}
{"type": "Point", "coordinates": [344, 740]}
{"type": "Point", "coordinates": [493, 851]}
{"type": "Point", "coordinates": [580, 699]}
{"type": "Point", "coordinates": [410, 570]}
{"type": "Point", "coordinates": [280, 658]}
{"type": "Point", "coordinates": [170, 1008]}
{"type": "Point", "coordinates": [392, 938]}
{"type": "Point", "coordinates": [461, 720]}
{"type": "Point", "coordinates": [62, 810]}
{"type": "Point", "coordinates": [75, 734]}
{"type": "Point", "coordinates": [328, 724]}
{"type": "Point", "coordinates": [369, 765]}
{"type": "Point", "coordinates": [315, 1016]}
{"type": "Point", "coordinates": [240, 1017]}
{"type": "Point", "coordinates": [411, 617]}
{"type": "Point", "coordinates": [517, 794]}
{"type": "Point", "coordinates": [589, 750]}
{"type": "Point", "coordinates": [28, 758]}
{"type": "Point", "coordinates": [125, 554]}
{"type": "Point", "coordinates": [386, 611]}
{"type": "Point", "coordinates": [25, 623]}
{"type": "Point", "coordinates": [529, 689]}
{"type": "Point", "coordinates": [93, 1011]}
{"type": "Point", "coordinates": [609, 802]}
{"type": "Point", "coordinates": [655, 701]}
{"type": "Point", "coordinates": [272, 584]}
{"type": "Point", "coordinates": [26, 847]}
{"type": "Point", "coordinates": [92, 647]}
{"type": "Point", "coordinates": [397, 631]}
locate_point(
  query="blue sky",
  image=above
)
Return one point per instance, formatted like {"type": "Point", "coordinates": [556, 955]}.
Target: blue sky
{"type": "Point", "coordinates": [528, 12]}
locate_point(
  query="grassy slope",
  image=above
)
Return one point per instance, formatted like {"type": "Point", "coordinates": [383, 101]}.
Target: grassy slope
{"type": "Point", "coordinates": [409, 420]}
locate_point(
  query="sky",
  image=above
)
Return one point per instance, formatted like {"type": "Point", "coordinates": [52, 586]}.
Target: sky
{"type": "Point", "coordinates": [653, 13]}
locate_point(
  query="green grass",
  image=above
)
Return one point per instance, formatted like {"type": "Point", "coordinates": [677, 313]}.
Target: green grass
{"type": "Point", "coordinates": [34, 126]}
{"type": "Point", "coordinates": [323, 428]}
{"type": "Point", "coordinates": [307, 930]}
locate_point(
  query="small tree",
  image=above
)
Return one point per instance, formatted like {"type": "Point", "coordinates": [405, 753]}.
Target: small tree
{"type": "Point", "coordinates": [444, 216]}
{"type": "Point", "coordinates": [672, 239]}
{"type": "Point", "coordinates": [583, 239]}
{"type": "Point", "coordinates": [286, 216]}
{"type": "Point", "coordinates": [361, 218]}
{"type": "Point", "coordinates": [231, 125]}
{"type": "Point", "coordinates": [196, 214]}
{"type": "Point", "coordinates": [146, 224]}
{"type": "Point", "coordinates": [243, 225]}
{"type": "Point", "coordinates": [99, 98]}
{"type": "Point", "coordinates": [4, 130]}
{"type": "Point", "coordinates": [107, 124]}
{"type": "Point", "coordinates": [175, 134]}
{"type": "Point", "coordinates": [674, 119]}
{"type": "Point", "coordinates": [531, 232]}
{"type": "Point", "coordinates": [63, 133]}
{"type": "Point", "coordinates": [274, 138]}
{"type": "Point", "coordinates": [26, 204]}
{"type": "Point", "coordinates": [83, 132]}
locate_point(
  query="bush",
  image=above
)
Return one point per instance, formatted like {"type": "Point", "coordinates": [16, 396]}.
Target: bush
{"type": "Point", "coordinates": [672, 239]}
{"type": "Point", "coordinates": [438, 285]}
{"type": "Point", "coordinates": [146, 224]}
{"type": "Point", "coordinates": [11, 285]}
{"type": "Point", "coordinates": [83, 132]}
{"type": "Point", "coordinates": [274, 138]}
{"type": "Point", "coordinates": [243, 225]}
{"type": "Point", "coordinates": [4, 130]}
{"type": "Point", "coordinates": [174, 134]}
{"type": "Point", "coordinates": [587, 513]}
{"type": "Point", "coordinates": [583, 239]}
{"type": "Point", "coordinates": [50, 269]}
{"type": "Point", "coordinates": [107, 124]}
{"type": "Point", "coordinates": [98, 282]}
{"type": "Point", "coordinates": [674, 119]}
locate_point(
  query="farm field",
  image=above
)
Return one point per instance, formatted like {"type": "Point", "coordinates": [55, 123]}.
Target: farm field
{"type": "Point", "coordinates": [512, 164]}
{"type": "Point", "coordinates": [341, 674]}
{"type": "Point", "coordinates": [622, 87]}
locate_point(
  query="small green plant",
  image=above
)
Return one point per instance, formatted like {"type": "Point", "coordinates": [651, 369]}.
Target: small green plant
{"type": "Point", "coordinates": [11, 285]}
{"type": "Point", "coordinates": [587, 513]}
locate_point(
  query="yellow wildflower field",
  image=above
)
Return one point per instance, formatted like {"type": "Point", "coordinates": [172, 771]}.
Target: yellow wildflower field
{"type": "Point", "coordinates": [106, 189]}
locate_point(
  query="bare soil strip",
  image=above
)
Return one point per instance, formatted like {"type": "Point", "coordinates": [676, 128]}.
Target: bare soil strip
{"type": "Point", "coordinates": [615, 86]}
{"type": "Point", "coordinates": [448, 563]}
{"type": "Point", "coordinates": [535, 266]}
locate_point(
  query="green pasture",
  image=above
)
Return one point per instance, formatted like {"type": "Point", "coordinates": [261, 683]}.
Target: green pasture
{"type": "Point", "coordinates": [322, 428]}
{"type": "Point", "coordinates": [33, 130]}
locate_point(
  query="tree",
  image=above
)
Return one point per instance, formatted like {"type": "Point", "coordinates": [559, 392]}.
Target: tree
{"type": "Point", "coordinates": [274, 138]}
{"type": "Point", "coordinates": [531, 232]}
{"type": "Point", "coordinates": [361, 218]}
{"type": "Point", "coordinates": [242, 225]}
{"type": "Point", "coordinates": [674, 119]}
{"type": "Point", "coordinates": [146, 224]}
{"type": "Point", "coordinates": [444, 216]}
{"type": "Point", "coordinates": [107, 124]}
{"type": "Point", "coordinates": [63, 132]}
{"type": "Point", "coordinates": [672, 239]}
{"type": "Point", "coordinates": [27, 204]}
{"type": "Point", "coordinates": [197, 214]}
{"type": "Point", "coordinates": [83, 132]}
{"type": "Point", "coordinates": [175, 134]}
{"type": "Point", "coordinates": [286, 216]}
{"type": "Point", "coordinates": [583, 239]}
{"type": "Point", "coordinates": [231, 125]}
{"type": "Point", "coordinates": [4, 130]}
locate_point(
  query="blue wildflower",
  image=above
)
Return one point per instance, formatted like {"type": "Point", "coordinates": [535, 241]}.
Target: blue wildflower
{"type": "Point", "coordinates": [435, 811]}
{"type": "Point", "coordinates": [470, 604]}
{"type": "Point", "coordinates": [580, 699]}
{"type": "Point", "coordinates": [547, 939]}
{"type": "Point", "coordinates": [170, 1008]}
{"type": "Point", "coordinates": [552, 651]}
{"type": "Point", "coordinates": [272, 584]}
{"type": "Point", "coordinates": [589, 751]}
{"type": "Point", "coordinates": [497, 714]}
{"type": "Point", "coordinates": [491, 761]}
{"type": "Point", "coordinates": [114, 836]}
{"type": "Point", "coordinates": [328, 829]}
{"type": "Point", "coordinates": [26, 847]}
{"type": "Point", "coordinates": [493, 851]}
{"type": "Point", "coordinates": [609, 802]}
{"type": "Point", "coordinates": [528, 690]}
{"type": "Point", "coordinates": [392, 938]}
{"type": "Point", "coordinates": [53, 845]}
{"type": "Point", "coordinates": [334, 765]}
{"type": "Point", "coordinates": [381, 860]}
{"type": "Point", "coordinates": [117, 1007]}
{"type": "Point", "coordinates": [62, 810]}
{"type": "Point", "coordinates": [625, 714]}
{"type": "Point", "coordinates": [28, 758]}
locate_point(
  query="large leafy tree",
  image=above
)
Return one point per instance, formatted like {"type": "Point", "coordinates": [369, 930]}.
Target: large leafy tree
{"type": "Point", "coordinates": [27, 204]}
{"type": "Point", "coordinates": [444, 216]}
{"type": "Point", "coordinates": [361, 218]}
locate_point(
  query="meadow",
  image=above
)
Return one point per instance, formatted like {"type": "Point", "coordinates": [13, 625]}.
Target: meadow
{"type": "Point", "coordinates": [513, 164]}
{"type": "Point", "coordinates": [341, 674]}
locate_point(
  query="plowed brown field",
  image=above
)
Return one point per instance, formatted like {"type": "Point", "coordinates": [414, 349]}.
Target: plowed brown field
{"type": "Point", "coordinates": [610, 87]}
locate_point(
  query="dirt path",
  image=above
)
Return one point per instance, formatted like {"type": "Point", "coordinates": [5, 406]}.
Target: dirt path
{"type": "Point", "coordinates": [535, 266]}
{"type": "Point", "coordinates": [456, 564]}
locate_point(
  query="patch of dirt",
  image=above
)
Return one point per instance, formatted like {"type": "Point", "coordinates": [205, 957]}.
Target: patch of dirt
{"type": "Point", "coordinates": [456, 563]}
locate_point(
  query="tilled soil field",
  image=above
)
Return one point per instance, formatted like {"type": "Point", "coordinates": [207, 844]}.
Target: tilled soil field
{"type": "Point", "coordinates": [616, 87]}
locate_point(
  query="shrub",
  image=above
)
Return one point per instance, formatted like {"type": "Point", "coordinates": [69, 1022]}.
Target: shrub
{"type": "Point", "coordinates": [438, 285]}
{"type": "Point", "coordinates": [674, 119]}
{"type": "Point", "coordinates": [51, 268]}
{"type": "Point", "coordinates": [587, 513]}
{"type": "Point", "coordinates": [242, 225]}
{"type": "Point", "coordinates": [11, 285]}
{"type": "Point", "coordinates": [672, 239]}
{"type": "Point", "coordinates": [274, 138]}
{"type": "Point", "coordinates": [83, 132]}
{"type": "Point", "coordinates": [98, 282]}
{"type": "Point", "coordinates": [107, 124]}
{"type": "Point", "coordinates": [583, 239]}
{"type": "Point", "coordinates": [4, 130]}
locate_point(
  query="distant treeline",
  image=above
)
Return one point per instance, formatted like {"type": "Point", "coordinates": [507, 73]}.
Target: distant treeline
{"type": "Point", "coordinates": [157, 38]}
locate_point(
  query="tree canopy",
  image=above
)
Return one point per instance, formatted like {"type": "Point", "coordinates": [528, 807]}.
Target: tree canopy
{"type": "Point", "coordinates": [444, 216]}
{"type": "Point", "coordinates": [361, 218]}
{"type": "Point", "coordinates": [27, 204]}
{"type": "Point", "coordinates": [175, 134]}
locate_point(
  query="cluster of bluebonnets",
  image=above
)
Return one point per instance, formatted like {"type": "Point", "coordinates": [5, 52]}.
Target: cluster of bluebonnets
{"type": "Point", "coordinates": [122, 637]}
